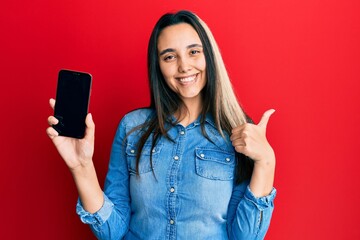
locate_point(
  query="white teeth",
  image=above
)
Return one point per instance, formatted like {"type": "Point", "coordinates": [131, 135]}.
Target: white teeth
{"type": "Point", "coordinates": [187, 79]}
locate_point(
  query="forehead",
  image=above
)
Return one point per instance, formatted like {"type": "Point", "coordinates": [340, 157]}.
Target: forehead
{"type": "Point", "coordinates": [178, 36]}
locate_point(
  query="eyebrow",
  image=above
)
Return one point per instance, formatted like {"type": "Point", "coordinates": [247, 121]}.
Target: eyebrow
{"type": "Point", "coordinates": [173, 50]}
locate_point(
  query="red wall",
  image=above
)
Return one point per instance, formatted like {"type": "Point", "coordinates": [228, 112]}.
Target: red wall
{"type": "Point", "coordinates": [300, 57]}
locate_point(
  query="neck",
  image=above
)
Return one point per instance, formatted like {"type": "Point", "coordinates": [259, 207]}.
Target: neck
{"type": "Point", "coordinates": [190, 112]}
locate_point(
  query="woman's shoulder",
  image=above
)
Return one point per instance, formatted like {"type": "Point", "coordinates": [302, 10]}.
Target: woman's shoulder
{"type": "Point", "coordinates": [138, 116]}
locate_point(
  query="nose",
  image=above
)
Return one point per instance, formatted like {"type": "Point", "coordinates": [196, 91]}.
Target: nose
{"type": "Point", "coordinates": [183, 65]}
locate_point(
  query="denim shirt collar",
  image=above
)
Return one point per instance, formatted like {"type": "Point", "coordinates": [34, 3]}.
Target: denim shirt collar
{"type": "Point", "coordinates": [208, 119]}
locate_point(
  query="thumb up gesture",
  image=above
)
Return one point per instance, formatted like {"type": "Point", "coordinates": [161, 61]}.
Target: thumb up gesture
{"type": "Point", "coordinates": [250, 140]}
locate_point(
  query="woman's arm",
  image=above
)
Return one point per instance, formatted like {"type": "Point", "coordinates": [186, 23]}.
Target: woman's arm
{"type": "Point", "coordinates": [251, 205]}
{"type": "Point", "coordinates": [112, 220]}
{"type": "Point", "coordinates": [248, 216]}
{"type": "Point", "coordinates": [250, 140]}
{"type": "Point", "coordinates": [108, 214]}
{"type": "Point", "coordinates": [77, 154]}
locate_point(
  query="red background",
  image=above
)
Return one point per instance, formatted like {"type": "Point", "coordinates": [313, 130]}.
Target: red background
{"type": "Point", "coordinates": [300, 57]}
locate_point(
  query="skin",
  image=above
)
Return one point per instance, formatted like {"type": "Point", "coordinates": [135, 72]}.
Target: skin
{"type": "Point", "coordinates": [183, 65]}
{"type": "Point", "coordinates": [181, 57]}
{"type": "Point", "coordinates": [77, 154]}
{"type": "Point", "coordinates": [250, 139]}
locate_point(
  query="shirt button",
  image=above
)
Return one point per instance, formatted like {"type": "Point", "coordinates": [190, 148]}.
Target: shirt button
{"type": "Point", "coordinates": [172, 222]}
{"type": "Point", "coordinates": [176, 158]}
{"type": "Point", "coordinates": [172, 189]}
{"type": "Point", "coordinates": [202, 155]}
{"type": "Point", "coordinates": [153, 150]}
{"type": "Point", "coordinates": [132, 151]}
{"type": "Point", "coordinates": [182, 132]}
{"type": "Point", "coordinates": [227, 159]}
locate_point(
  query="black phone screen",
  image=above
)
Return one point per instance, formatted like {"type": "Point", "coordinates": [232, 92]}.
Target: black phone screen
{"type": "Point", "coordinates": [72, 101]}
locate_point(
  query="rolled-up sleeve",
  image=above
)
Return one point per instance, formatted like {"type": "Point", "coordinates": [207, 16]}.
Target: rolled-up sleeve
{"type": "Point", "coordinates": [249, 216]}
{"type": "Point", "coordinates": [98, 218]}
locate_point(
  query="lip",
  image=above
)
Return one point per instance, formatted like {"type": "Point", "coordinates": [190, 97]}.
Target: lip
{"type": "Point", "coordinates": [188, 79]}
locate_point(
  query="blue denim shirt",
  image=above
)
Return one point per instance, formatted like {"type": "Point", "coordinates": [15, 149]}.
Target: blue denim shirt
{"type": "Point", "coordinates": [190, 194]}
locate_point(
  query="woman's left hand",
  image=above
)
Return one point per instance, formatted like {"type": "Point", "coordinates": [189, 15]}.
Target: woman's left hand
{"type": "Point", "coordinates": [250, 140]}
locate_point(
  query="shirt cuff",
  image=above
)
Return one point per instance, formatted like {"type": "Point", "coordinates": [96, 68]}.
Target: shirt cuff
{"type": "Point", "coordinates": [98, 217]}
{"type": "Point", "coordinates": [260, 202]}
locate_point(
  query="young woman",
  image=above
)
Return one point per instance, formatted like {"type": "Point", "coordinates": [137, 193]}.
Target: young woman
{"type": "Point", "coordinates": [190, 166]}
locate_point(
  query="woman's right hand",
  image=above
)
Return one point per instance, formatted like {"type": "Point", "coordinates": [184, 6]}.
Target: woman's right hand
{"type": "Point", "coordinates": [77, 153]}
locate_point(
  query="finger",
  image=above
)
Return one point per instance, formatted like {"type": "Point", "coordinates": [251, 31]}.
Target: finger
{"type": "Point", "coordinates": [51, 132]}
{"type": "Point", "coordinates": [265, 118]}
{"type": "Point", "coordinates": [52, 120]}
{"type": "Point", "coordinates": [239, 142]}
{"type": "Point", "coordinates": [238, 135]}
{"type": "Point", "coordinates": [240, 149]}
{"type": "Point", "coordinates": [90, 126]}
{"type": "Point", "coordinates": [238, 129]}
{"type": "Point", "coordinates": [52, 103]}
{"type": "Point", "coordinates": [235, 137]}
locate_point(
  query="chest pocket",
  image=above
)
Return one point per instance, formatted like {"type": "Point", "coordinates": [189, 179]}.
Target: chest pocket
{"type": "Point", "coordinates": [214, 164]}
{"type": "Point", "coordinates": [144, 163]}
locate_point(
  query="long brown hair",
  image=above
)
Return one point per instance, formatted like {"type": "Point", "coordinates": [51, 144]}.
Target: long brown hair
{"type": "Point", "coordinates": [218, 96]}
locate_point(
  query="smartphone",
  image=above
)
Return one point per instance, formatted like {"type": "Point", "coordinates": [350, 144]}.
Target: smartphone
{"type": "Point", "coordinates": [72, 102]}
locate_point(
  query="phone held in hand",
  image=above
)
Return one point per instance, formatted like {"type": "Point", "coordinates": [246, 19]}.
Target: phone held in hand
{"type": "Point", "coordinates": [72, 102]}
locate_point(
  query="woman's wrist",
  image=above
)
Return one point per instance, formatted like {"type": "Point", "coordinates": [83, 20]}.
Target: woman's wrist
{"type": "Point", "coordinates": [90, 192]}
{"type": "Point", "coordinates": [262, 179]}
{"type": "Point", "coordinates": [267, 159]}
{"type": "Point", "coordinates": [84, 169]}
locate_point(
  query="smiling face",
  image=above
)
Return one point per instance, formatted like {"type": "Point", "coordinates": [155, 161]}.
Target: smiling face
{"type": "Point", "coordinates": [182, 61]}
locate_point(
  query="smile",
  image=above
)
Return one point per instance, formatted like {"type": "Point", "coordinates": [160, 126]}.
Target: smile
{"type": "Point", "coordinates": [188, 79]}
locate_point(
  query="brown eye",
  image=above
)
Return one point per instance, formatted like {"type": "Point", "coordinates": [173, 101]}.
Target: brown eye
{"type": "Point", "coordinates": [193, 52]}
{"type": "Point", "coordinates": [169, 58]}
